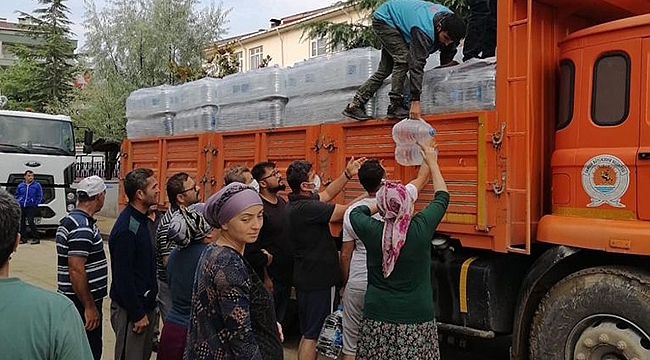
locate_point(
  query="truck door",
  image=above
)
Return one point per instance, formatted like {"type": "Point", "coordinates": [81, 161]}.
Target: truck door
{"type": "Point", "coordinates": [643, 156]}
{"type": "Point", "coordinates": [609, 140]}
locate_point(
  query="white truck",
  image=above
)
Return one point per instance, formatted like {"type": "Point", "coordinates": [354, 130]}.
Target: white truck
{"type": "Point", "coordinates": [44, 144]}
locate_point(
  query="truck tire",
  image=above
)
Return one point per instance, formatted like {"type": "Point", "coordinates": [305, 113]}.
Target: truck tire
{"type": "Point", "coordinates": [598, 313]}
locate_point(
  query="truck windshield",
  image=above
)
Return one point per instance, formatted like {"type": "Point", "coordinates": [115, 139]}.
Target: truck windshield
{"type": "Point", "coordinates": [36, 135]}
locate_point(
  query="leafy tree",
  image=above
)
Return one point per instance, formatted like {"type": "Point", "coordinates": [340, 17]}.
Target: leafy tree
{"type": "Point", "coordinates": [51, 58]}
{"type": "Point", "coordinates": [349, 36]}
{"type": "Point", "coordinates": [18, 83]}
{"type": "Point", "coordinates": [222, 61]}
{"type": "Point", "coordinates": [145, 43]}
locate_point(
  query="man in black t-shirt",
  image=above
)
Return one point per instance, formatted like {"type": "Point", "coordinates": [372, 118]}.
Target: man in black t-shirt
{"type": "Point", "coordinates": [271, 254]}
{"type": "Point", "coordinates": [316, 262]}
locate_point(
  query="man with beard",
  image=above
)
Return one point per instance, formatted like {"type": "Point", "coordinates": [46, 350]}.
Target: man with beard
{"type": "Point", "coordinates": [271, 254]}
{"type": "Point", "coordinates": [134, 289]}
{"type": "Point", "coordinates": [182, 191]}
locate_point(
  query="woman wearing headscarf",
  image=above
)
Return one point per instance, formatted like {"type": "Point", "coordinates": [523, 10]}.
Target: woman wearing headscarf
{"type": "Point", "coordinates": [398, 319]}
{"type": "Point", "coordinates": [232, 316]}
{"type": "Point", "coordinates": [190, 232]}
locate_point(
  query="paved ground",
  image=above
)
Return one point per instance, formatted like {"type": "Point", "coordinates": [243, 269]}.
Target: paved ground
{"type": "Point", "coordinates": [36, 264]}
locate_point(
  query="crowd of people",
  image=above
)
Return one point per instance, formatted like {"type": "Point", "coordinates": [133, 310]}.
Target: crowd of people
{"type": "Point", "coordinates": [227, 266]}
{"type": "Point", "coordinates": [219, 274]}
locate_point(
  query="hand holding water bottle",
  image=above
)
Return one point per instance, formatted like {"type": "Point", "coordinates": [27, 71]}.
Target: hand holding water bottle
{"type": "Point", "coordinates": [429, 151]}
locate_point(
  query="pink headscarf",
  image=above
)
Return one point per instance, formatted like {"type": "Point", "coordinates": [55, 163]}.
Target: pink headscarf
{"type": "Point", "coordinates": [395, 205]}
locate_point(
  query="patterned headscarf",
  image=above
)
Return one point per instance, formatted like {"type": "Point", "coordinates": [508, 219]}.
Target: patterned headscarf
{"type": "Point", "coordinates": [228, 202]}
{"type": "Point", "coordinates": [188, 225]}
{"type": "Point", "coordinates": [395, 205]}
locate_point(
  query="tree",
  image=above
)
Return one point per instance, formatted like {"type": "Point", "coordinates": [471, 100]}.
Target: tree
{"type": "Point", "coordinates": [145, 43]}
{"type": "Point", "coordinates": [51, 59]}
{"type": "Point", "coordinates": [349, 36]}
{"type": "Point", "coordinates": [19, 84]}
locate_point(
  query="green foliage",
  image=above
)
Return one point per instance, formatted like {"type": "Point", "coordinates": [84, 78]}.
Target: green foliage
{"type": "Point", "coordinates": [54, 51]}
{"type": "Point", "coordinates": [223, 60]}
{"type": "Point", "coordinates": [19, 84]}
{"type": "Point", "coordinates": [145, 43]}
{"type": "Point", "coordinates": [43, 74]}
{"type": "Point", "coordinates": [349, 36]}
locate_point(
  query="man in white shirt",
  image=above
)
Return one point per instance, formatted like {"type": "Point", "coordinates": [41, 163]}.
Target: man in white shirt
{"type": "Point", "coordinates": [353, 252]}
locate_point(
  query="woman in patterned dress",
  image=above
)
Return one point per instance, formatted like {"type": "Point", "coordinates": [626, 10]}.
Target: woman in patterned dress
{"type": "Point", "coordinates": [398, 318]}
{"type": "Point", "coordinates": [232, 316]}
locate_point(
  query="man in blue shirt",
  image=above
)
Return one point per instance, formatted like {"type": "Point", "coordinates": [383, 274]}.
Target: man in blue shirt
{"type": "Point", "coordinates": [409, 31]}
{"type": "Point", "coordinates": [29, 195]}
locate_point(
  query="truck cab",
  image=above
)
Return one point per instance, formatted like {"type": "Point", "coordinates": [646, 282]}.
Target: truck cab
{"type": "Point", "coordinates": [45, 145]}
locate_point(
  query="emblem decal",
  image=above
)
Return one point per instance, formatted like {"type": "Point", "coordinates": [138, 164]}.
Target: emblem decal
{"type": "Point", "coordinates": [605, 179]}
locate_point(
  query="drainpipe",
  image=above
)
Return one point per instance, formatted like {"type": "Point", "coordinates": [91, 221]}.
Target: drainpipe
{"type": "Point", "coordinates": [281, 47]}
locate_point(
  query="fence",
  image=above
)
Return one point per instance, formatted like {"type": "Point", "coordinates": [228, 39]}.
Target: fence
{"type": "Point", "coordinates": [95, 166]}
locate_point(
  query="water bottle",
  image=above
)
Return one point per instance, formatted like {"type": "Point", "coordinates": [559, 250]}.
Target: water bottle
{"type": "Point", "coordinates": [406, 134]}
{"type": "Point", "coordinates": [330, 340]}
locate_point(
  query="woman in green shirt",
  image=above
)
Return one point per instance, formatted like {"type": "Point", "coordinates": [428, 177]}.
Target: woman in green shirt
{"type": "Point", "coordinates": [399, 320]}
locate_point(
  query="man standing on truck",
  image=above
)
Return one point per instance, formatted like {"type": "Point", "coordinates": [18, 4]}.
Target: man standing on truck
{"type": "Point", "coordinates": [29, 195]}
{"type": "Point", "coordinates": [409, 31]}
{"type": "Point", "coordinates": [481, 41]}
{"type": "Point", "coordinates": [316, 270]}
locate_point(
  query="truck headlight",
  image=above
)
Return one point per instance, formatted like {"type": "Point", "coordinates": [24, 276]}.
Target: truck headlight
{"type": "Point", "coordinates": [70, 196]}
{"type": "Point", "coordinates": [70, 207]}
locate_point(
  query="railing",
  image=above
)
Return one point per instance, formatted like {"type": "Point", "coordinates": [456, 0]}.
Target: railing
{"type": "Point", "coordinates": [96, 166]}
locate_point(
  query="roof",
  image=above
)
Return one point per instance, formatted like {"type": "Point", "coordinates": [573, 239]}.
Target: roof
{"type": "Point", "coordinates": [6, 25]}
{"type": "Point", "coordinates": [35, 115]}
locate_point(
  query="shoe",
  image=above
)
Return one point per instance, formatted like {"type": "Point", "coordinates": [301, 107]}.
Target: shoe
{"type": "Point", "coordinates": [35, 241]}
{"type": "Point", "coordinates": [23, 241]}
{"type": "Point", "coordinates": [356, 112]}
{"type": "Point", "coordinates": [397, 111]}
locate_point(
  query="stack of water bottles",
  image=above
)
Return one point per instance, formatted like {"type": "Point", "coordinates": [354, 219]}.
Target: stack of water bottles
{"type": "Point", "coordinates": [406, 134]}
{"type": "Point", "coordinates": [330, 340]}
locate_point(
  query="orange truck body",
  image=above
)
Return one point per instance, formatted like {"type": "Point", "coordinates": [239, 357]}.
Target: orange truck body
{"type": "Point", "coordinates": [562, 160]}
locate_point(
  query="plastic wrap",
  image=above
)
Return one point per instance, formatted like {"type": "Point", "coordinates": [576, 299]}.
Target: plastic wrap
{"type": "Point", "coordinates": [202, 119]}
{"type": "Point", "coordinates": [252, 85]}
{"type": "Point", "coordinates": [144, 103]}
{"type": "Point", "coordinates": [465, 87]}
{"type": "Point", "coordinates": [260, 114]}
{"type": "Point", "coordinates": [197, 94]}
{"type": "Point", "coordinates": [346, 69]}
{"type": "Point", "coordinates": [158, 125]}
{"type": "Point", "coordinates": [319, 88]}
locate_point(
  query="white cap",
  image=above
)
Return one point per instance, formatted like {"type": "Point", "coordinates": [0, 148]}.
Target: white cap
{"type": "Point", "coordinates": [92, 185]}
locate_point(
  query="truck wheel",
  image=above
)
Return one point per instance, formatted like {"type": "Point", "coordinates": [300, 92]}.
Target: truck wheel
{"type": "Point", "coordinates": [600, 313]}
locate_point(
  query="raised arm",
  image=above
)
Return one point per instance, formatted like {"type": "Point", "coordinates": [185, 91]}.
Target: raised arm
{"type": "Point", "coordinates": [334, 188]}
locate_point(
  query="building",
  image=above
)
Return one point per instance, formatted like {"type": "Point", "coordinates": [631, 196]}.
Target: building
{"type": "Point", "coordinates": [285, 40]}
{"type": "Point", "coordinates": [12, 34]}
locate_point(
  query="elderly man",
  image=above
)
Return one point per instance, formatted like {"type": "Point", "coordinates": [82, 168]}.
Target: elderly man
{"type": "Point", "coordinates": [82, 267]}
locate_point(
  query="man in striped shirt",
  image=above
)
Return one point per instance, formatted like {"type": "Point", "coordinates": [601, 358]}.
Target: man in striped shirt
{"type": "Point", "coordinates": [82, 267]}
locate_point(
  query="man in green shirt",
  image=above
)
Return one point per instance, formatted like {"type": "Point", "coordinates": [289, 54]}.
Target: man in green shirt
{"type": "Point", "coordinates": [36, 324]}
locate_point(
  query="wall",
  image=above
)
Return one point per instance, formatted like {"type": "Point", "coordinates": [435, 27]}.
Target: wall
{"type": "Point", "coordinates": [285, 44]}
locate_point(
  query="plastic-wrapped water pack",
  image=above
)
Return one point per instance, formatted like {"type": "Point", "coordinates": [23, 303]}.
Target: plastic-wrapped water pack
{"type": "Point", "coordinates": [319, 88]}
{"type": "Point", "coordinates": [143, 103]}
{"type": "Point", "coordinates": [254, 99]}
{"type": "Point", "coordinates": [155, 125]}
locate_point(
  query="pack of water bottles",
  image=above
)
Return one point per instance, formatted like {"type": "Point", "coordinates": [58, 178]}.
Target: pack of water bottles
{"type": "Point", "coordinates": [330, 340]}
{"type": "Point", "coordinates": [406, 134]}
{"type": "Point", "coordinates": [252, 100]}
{"type": "Point", "coordinates": [319, 88]}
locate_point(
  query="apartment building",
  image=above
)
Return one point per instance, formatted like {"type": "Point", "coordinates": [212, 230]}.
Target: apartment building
{"type": "Point", "coordinates": [11, 34]}
{"type": "Point", "coordinates": [285, 40]}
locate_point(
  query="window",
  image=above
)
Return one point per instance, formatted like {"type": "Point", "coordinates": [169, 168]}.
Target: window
{"type": "Point", "coordinates": [256, 57]}
{"type": "Point", "coordinates": [318, 47]}
{"type": "Point", "coordinates": [610, 98]}
{"type": "Point", "coordinates": [240, 60]}
{"type": "Point", "coordinates": [565, 93]}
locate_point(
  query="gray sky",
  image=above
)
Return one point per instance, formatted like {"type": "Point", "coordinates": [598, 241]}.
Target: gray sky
{"type": "Point", "coordinates": [246, 15]}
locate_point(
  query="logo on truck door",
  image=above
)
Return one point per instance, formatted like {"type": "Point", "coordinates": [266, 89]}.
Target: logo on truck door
{"type": "Point", "coordinates": [605, 179]}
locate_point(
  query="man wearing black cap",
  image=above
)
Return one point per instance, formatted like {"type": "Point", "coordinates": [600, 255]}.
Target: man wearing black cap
{"type": "Point", "coordinates": [82, 267]}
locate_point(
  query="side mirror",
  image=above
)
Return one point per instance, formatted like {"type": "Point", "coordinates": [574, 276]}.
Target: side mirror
{"type": "Point", "coordinates": [88, 141]}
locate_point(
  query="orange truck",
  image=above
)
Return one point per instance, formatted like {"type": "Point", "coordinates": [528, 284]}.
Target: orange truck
{"type": "Point", "coordinates": [547, 236]}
